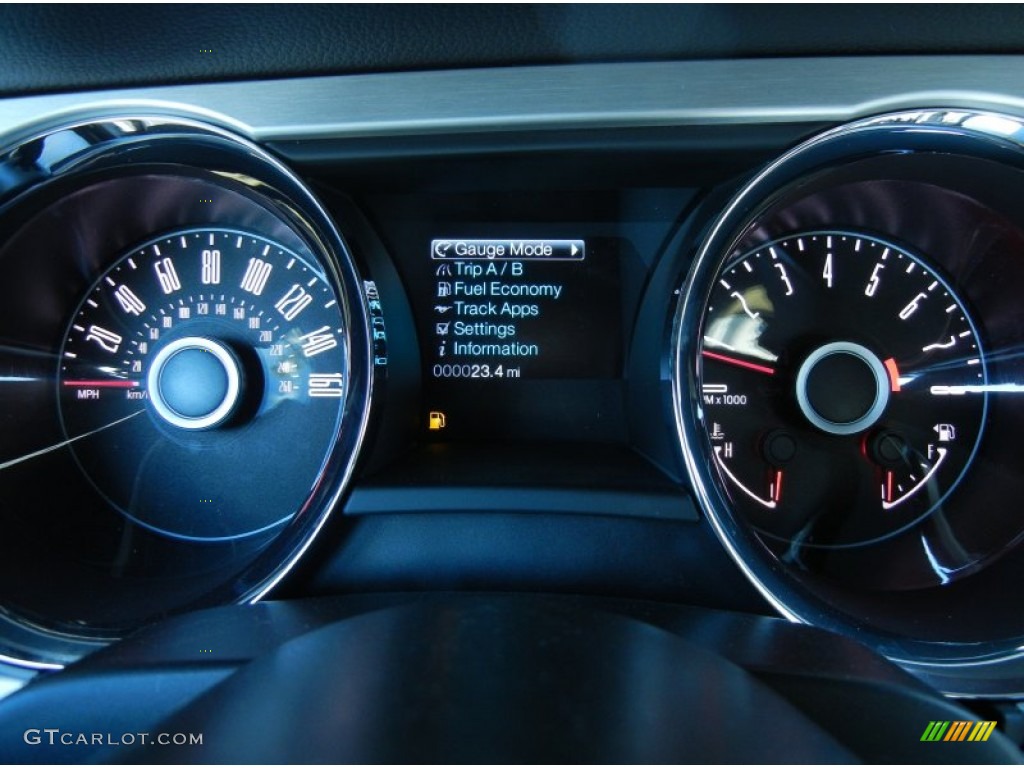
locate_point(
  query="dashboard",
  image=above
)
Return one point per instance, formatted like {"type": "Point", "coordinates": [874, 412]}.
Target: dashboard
{"type": "Point", "coordinates": [459, 408]}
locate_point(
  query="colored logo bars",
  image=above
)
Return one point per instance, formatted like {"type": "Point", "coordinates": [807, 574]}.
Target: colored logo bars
{"type": "Point", "coordinates": [958, 730]}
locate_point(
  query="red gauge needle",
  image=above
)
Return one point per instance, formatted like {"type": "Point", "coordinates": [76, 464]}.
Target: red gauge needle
{"type": "Point", "coordinates": [894, 374]}
{"type": "Point", "coordinates": [737, 362]}
{"type": "Point", "coordinates": [100, 383]}
{"type": "Point", "coordinates": [775, 490]}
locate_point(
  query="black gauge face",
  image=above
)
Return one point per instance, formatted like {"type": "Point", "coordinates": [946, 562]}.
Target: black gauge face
{"type": "Point", "coordinates": [843, 386]}
{"type": "Point", "coordinates": [201, 383]}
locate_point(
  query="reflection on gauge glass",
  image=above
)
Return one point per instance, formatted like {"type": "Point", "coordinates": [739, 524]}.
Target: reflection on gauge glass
{"type": "Point", "coordinates": [843, 385]}
{"type": "Point", "coordinates": [201, 383]}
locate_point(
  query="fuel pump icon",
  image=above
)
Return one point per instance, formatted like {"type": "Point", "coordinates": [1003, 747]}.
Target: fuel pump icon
{"type": "Point", "coordinates": [436, 421]}
{"type": "Point", "coordinates": [946, 432]}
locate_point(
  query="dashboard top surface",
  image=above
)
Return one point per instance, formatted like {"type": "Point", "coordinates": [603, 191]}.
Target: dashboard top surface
{"type": "Point", "coordinates": [597, 96]}
{"type": "Point", "coordinates": [167, 44]}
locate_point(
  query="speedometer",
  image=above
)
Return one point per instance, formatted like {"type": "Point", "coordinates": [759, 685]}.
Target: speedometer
{"type": "Point", "coordinates": [188, 370]}
{"type": "Point", "coordinates": [201, 381]}
{"type": "Point", "coordinates": [831, 361]}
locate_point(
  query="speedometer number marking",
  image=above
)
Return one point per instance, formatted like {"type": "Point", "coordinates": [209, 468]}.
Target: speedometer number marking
{"type": "Point", "coordinates": [318, 341]}
{"type": "Point", "coordinates": [211, 266]}
{"type": "Point", "coordinates": [293, 302]}
{"type": "Point", "coordinates": [107, 340]}
{"type": "Point", "coordinates": [257, 273]}
{"type": "Point", "coordinates": [167, 275]}
{"type": "Point", "coordinates": [325, 385]}
{"type": "Point", "coordinates": [129, 302]}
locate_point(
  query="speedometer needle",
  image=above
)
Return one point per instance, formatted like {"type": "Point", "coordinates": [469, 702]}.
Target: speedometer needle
{"type": "Point", "coordinates": [737, 362]}
{"type": "Point", "coordinates": [63, 443]}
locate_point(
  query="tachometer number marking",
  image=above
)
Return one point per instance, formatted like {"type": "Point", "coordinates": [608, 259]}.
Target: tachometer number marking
{"type": "Point", "coordinates": [743, 302]}
{"type": "Point", "coordinates": [783, 276]}
{"type": "Point", "coordinates": [913, 306]}
{"type": "Point", "coordinates": [938, 345]}
{"type": "Point", "coordinates": [875, 280]}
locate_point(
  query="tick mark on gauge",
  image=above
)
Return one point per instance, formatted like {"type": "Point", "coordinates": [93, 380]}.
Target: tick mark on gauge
{"type": "Point", "coordinates": [101, 383]}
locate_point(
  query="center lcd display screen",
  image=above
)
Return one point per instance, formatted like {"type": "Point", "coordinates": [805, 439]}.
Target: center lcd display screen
{"type": "Point", "coordinates": [521, 309]}
{"type": "Point", "coordinates": [520, 337]}
{"type": "Point", "coordinates": [523, 303]}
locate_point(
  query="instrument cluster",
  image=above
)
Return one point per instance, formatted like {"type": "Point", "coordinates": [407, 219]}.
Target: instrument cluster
{"type": "Point", "coordinates": [204, 362]}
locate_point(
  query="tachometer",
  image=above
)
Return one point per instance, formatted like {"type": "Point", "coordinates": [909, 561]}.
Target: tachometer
{"type": "Point", "coordinates": [831, 365]}
{"type": "Point", "coordinates": [201, 381]}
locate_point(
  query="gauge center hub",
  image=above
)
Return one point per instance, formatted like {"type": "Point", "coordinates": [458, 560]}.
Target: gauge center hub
{"type": "Point", "coordinates": [194, 383]}
{"type": "Point", "coordinates": [842, 388]}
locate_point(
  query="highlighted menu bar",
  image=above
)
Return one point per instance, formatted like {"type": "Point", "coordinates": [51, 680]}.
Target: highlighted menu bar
{"type": "Point", "coordinates": [501, 250]}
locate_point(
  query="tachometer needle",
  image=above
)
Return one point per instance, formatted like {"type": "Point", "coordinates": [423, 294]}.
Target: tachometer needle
{"type": "Point", "coordinates": [894, 374]}
{"type": "Point", "coordinates": [775, 487]}
{"type": "Point", "coordinates": [737, 362]}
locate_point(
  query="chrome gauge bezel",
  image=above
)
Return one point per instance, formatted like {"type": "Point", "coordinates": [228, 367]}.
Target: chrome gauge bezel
{"type": "Point", "coordinates": [132, 143]}
{"type": "Point", "coordinates": [966, 668]}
